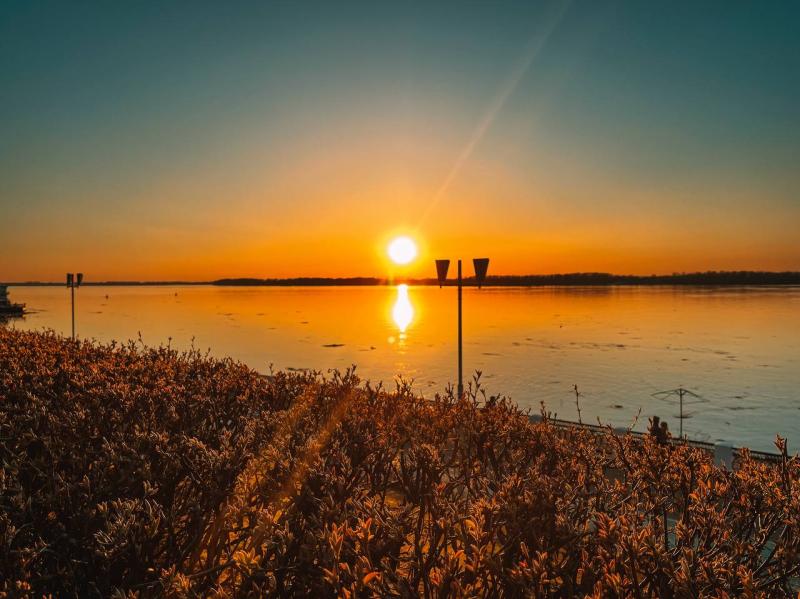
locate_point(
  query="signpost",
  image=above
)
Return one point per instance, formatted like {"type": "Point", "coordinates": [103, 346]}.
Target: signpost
{"type": "Point", "coordinates": [481, 266]}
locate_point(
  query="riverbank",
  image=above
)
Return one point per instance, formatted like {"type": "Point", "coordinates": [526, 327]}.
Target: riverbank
{"type": "Point", "coordinates": [150, 470]}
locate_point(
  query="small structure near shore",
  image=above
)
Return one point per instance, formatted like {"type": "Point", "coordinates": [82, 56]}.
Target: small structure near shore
{"type": "Point", "coordinates": [7, 308]}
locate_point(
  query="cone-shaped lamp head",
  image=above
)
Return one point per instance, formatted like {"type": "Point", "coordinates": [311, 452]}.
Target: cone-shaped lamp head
{"type": "Point", "coordinates": [481, 266]}
{"type": "Point", "coordinates": [441, 270]}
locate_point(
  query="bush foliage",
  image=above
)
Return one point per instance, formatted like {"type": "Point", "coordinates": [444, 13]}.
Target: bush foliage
{"type": "Point", "coordinates": [134, 471]}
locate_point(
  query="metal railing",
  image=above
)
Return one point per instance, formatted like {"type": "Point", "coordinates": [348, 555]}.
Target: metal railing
{"type": "Point", "coordinates": [716, 449]}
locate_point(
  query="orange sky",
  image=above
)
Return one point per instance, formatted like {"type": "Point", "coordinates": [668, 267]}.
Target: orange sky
{"type": "Point", "coordinates": [332, 213]}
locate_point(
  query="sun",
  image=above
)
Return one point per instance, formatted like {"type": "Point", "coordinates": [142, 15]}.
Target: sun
{"type": "Point", "coordinates": [402, 250]}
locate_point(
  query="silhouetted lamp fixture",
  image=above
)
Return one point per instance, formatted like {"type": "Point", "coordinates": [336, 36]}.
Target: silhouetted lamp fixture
{"type": "Point", "coordinates": [73, 281]}
{"type": "Point", "coordinates": [481, 266]}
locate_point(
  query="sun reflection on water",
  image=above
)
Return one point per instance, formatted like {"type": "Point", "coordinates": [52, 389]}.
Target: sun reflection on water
{"type": "Point", "coordinates": [403, 311]}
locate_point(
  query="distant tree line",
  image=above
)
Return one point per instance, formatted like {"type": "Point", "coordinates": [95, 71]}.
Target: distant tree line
{"type": "Point", "coordinates": [302, 281]}
{"type": "Point", "coordinates": [694, 278]}
{"type": "Point", "coordinates": [741, 277]}
{"type": "Point", "coordinates": [579, 278]}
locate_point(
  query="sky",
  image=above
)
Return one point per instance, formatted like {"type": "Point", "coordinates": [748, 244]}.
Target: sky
{"type": "Point", "coordinates": [198, 140]}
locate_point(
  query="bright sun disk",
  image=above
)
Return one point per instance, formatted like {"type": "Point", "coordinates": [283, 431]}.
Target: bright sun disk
{"type": "Point", "coordinates": [402, 250]}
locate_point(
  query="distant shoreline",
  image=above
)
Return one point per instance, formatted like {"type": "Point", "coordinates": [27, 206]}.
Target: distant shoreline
{"type": "Point", "coordinates": [713, 278]}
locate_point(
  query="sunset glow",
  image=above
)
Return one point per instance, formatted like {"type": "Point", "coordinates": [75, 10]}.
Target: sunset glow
{"type": "Point", "coordinates": [226, 230]}
{"type": "Point", "coordinates": [562, 137]}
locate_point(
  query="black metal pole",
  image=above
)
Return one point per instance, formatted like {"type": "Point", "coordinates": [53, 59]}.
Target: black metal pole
{"type": "Point", "coordinates": [72, 291]}
{"type": "Point", "coordinates": [460, 350]}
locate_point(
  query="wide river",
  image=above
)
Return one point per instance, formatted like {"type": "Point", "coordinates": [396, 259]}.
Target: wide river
{"type": "Point", "coordinates": [737, 349]}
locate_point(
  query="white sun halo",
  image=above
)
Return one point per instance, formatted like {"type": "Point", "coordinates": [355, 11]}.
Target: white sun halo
{"type": "Point", "coordinates": [402, 250]}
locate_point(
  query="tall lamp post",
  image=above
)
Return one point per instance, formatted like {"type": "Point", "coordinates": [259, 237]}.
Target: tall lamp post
{"type": "Point", "coordinates": [481, 265]}
{"type": "Point", "coordinates": [73, 281]}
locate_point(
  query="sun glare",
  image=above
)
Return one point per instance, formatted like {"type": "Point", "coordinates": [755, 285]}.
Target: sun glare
{"type": "Point", "coordinates": [402, 250]}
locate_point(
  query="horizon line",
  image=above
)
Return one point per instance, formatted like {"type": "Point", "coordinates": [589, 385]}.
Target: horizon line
{"type": "Point", "coordinates": [578, 276]}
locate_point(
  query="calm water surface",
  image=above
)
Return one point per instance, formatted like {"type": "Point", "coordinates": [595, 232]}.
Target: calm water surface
{"type": "Point", "coordinates": [738, 348]}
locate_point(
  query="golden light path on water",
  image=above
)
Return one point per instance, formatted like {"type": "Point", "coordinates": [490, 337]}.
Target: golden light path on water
{"type": "Point", "coordinates": [403, 311]}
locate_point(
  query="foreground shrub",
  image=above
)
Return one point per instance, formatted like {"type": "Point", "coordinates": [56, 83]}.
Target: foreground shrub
{"type": "Point", "coordinates": [149, 472]}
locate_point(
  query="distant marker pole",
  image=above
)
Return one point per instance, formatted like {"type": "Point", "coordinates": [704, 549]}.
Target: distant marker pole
{"type": "Point", "coordinates": [481, 266]}
{"type": "Point", "coordinates": [73, 281]}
